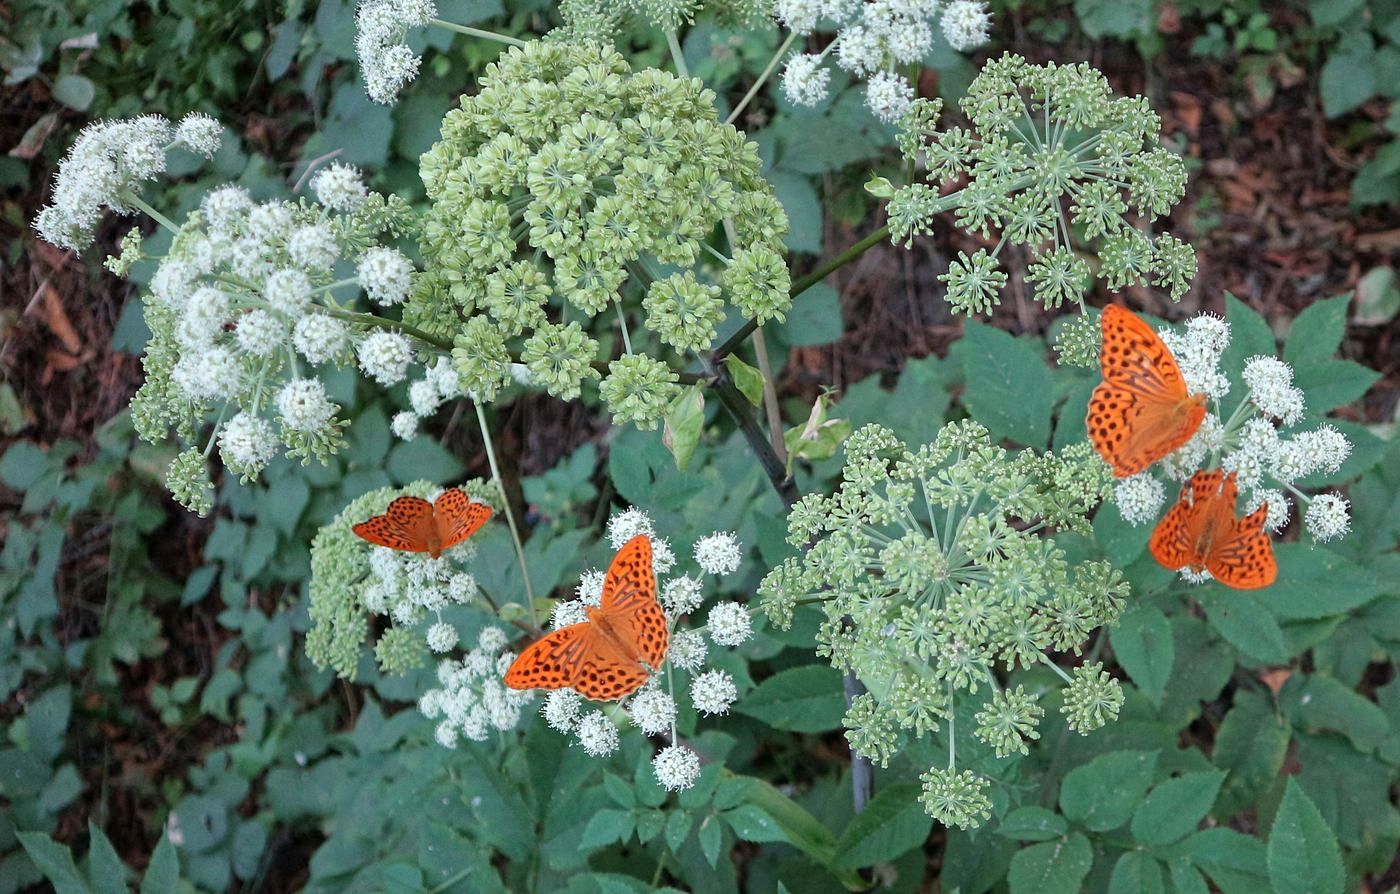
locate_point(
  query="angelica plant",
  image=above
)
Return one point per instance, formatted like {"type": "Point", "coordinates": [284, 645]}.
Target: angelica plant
{"type": "Point", "coordinates": [1050, 156]}
{"type": "Point", "coordinates": [935, 567]}
{"type": "Point", "coordinates": [572, 204]}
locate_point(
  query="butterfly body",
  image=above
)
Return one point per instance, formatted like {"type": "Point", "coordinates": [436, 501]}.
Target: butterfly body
{"type": "Point", "coordinates": [1142, 410]}
{"type": "Point", "coordinates": [616, 650]}
{"type": "Point", "coordinates": [414, 525]}
{"type": "Point", "coordinates": [1202, 534]}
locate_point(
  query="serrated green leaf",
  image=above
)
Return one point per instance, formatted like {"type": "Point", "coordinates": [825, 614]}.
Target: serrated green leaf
{"type": "Point", "coordinates": [678, 826]}
{"type": "Point", "coordinates": [1317, 332]}
{"type": "Point", "coordinates": [1103, 793]}
{"type": "Point", "coordinates": [74, 91]}
{"type": "Point", "coordinates": [806, 699]}
{"type": "Point", "coordinates": [1250, 745]}
{"type": "Point", "coordinates": [751, 823]}
{"type": "Point", "coordinates": [1322, 702]}
{"type": "Point", "coordinates": [815, 318]}
{"type": "Point", "coordinates": [1347, 80]}
{"type": "Point", "coordinates": [1233, 860]}
{"type": "Point", "coordinates": [1008, 384]}
{"type": "Point", "coordinates": [55, 861]}
{"type": "Point", "coordinates": [1243, 622]}
{"type": "Point", "coordinates": [1051, 867]}
{"type": "Point", "coordinates": [1142, 642]}
{"type": "Point", "coordinates": [22, 465]}
{"type": "Point", "coordinates": [1302, 854]}
{"type": "Point", "coordinates": [1136, 873]}
{"type": "Point", "coordinates": [1314, 582]}
{"type": "Point", "coordinates": [106, 872]}
{"type": "Point", "coordinates": [619, 791]}
{"type": "Point", "coordinates": [1175, 807]}
{"type": "Point", "coordinates": [711, 837]}
{"type": "Point", "coordinates": [1032, 824]}
{"type": "Point", "coordinates": [163, 871]}
{"type": "Point", "coordinates": [605, 827]}
{"type": "Point", "coordinates": [893, 823]}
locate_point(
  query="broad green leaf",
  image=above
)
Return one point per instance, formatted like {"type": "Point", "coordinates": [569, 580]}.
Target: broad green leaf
{"type": "Point", "coordinates": [1032, 824]}
{"type": "Point", "coordinates": [678, 826]}
{"type": "Point", "coordinates": [1136, 873]}
{"type": "Point", "coordinates": [1302, 855]}
{"type": "Point", "coordinates": [806, 699]}
{"type": "Point", "coordinates": [1250, 744]}
{"type": "Point", "coordinates": [164, 869]}
{"type": "Point", "coordinates": [1323, 702]}
{"type": "Point", "coordinates": [711, 837]}
{"type": "Point", "coordinates": [1317, 332]}
{"type": "Point", "coordinates": [1186, 878]}
{"type": "Point", "coordinates": [1008, 384]}
{"type": "Point", "coordinates": [1328, 13]}
{"type": "Point", "coordinates": [1233, 860]}
{"type": "Point", "coordinates": [1051, 867]}
{"type": "Point", "coordinates": [1243, 621]}
{"type": "Point", "coordinates": [1142, 641]}
{"type": "Point", "coordinates": [751, 823]}
{"type": "Point", "coordinates": [1103, 793]}
{"type": "Point", "coordinates": [619, 791]}
{"type": "Point", "coordinates": [1347, 80]}
{"type": "Point", "coordinates": [605, 827]}
{"type": "Point", "coordinates": [105, 869]}
{"type": "Point", "coordinates": [893, 823]}
{"type": "Point", "coordinates": [22, 465]}
{"type": "Point", "coordinates": [815, 317]}
{"type": "Point", "coordinates": [1249, 335]}
{"type": "Point", "coordinates": [55, 861]}
{"type": "Point", "coordinates": [1121, 542]}
{"type": "Point", "coordinates": [1314, 582]}
{"type": "Point", "coordinates": [423, 458]}
{"type": "Point", "coordinates": [1333, 384]}
{"type": "Point", "coordinates": [1175, 807]}
{"type": "Point", "coordinates": [804, 210]}
{"type": "Point", "coordinates": [1114, 18]}
{"type": "Point", "coordinates": [74, 91]}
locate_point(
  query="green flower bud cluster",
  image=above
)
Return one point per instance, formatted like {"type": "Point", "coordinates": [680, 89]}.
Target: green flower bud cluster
{"type": "Point", "coordinates": [938, 575]}
{"type": "Point", "coordinates": [353, 580]}
{"type": "Point", "coordinates": [1051, 159]}
{"type": "Point", "coordinates": [571, 198]}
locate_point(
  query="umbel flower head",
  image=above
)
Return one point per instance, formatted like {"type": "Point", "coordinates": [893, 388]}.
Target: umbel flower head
{"type": "Point", "coordinates": [242, 313]}
{"type": "Point", "coordinates": [107, 164]}
{"type": "Point", "coordinates": [934, 568]}
{"type": "Point", "coordinates": [653, 709]}
{"type": "Point", "coordinates": [874, 40]}
{"type": "Point", "coordinates": [1049, 152]}
{"type": "Point", "coordinates": [600, 20]}
{"type": "Point", "coordinates": [353, 581]}
{"type": "Point", "coordinates": [1257, 438]}
{"type": "Point", "coordinates": [571, 198]}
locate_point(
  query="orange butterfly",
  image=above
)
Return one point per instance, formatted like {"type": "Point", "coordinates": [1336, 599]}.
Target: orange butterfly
{"type": "Point", "coordinates": [616, 649]}
{"type": "Point", "coordinates": [414, 525]}
{"type": "Point", "coordinates": [1141, 410]}
{"type": "Point", "coordinates": [1201, 533]}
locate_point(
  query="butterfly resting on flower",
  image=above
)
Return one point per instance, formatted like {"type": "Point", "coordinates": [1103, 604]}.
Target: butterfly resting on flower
{"type": "Point", "coordinates": [1201, 534]}
{"type": "Point", "coordinates": [1141, 411]}
{"type": "Point", "coordinates": [414, 525]}
{"type": "Point", "coordinates": [615, 651]}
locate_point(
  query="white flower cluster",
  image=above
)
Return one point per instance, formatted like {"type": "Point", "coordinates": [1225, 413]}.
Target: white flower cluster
{"type": "Point", "coordinates": [440, 383]}
{"type": "Point", "coordinates": [472, 700]}
{"type": "Point", "coordinates": [872, 40]}
{"type": "Point", "coordinates": [652, 709]}
{"type": "Point", "coordinates": [1252, 442]}
{"type": "Point", "coordinates": [412, 587]}
{"type": "Point", "coordinates": [386, 62]}
{"type": "Point", "coordinates": [106, 166]}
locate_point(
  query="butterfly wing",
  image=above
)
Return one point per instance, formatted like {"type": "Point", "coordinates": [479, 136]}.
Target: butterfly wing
{"type": "Point", "coordinates": [606, 673]}
{"type": "Point", "coordinates": [1176, 541]}
{"type": "Point", "coordinates": [553, 660]}
{"type": "Point", "coordinates": [457, 517]}
{"type": "Point", "coordinates": [1141, 411]}
{"type": "Point", "coordinates": [407, 525]}
{"type": "Point", "coordinates": [629, 602]}
{"type": "Point", "coordinates": [1244, 559]}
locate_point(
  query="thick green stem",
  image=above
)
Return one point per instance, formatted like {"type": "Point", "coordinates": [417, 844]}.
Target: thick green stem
{"type": "Point", "coordinates": [742, 413]}
{"type": "Point", "coordinates": [478, 32]}
{"type": "Point", "coordinates": [770, 396]}
{"type": "Point", "coordinates": [677, 55]}
{"type": "Point", "coordinates": [351, 316]}
{"type": "Point", "coordinates": [510, 515]}
{"type": "Point", "coordinates": [762, 78]}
